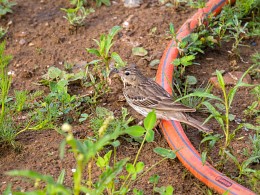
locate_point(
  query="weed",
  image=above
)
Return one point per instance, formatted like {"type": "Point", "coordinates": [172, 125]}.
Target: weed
{"type": "Point", "coordinates": [100, 2]}
{"type": "Point", "coordinates": [6, 125]}
{"type": "Point", "coordinates": [102, 114]}
{"type": "Point", "coordinates": [103, 50]}
{"type": "Point", "coordinates": [255, 72]}
{"type": "Point", "coordinates": [6, 7]}
{"type": "Point", "coordinates": [244, 166]}
{"type": "Point", "coordinates": [86, 153]}
{"type": "Point", "coordinates": [3, 32]}
{"type": "Point", "coordinates": [20, 97]}
{"type": "Point", "coordinates": [197, 4]}
{"type": "Point", "coordinates": [162, 190]}
{"type": "Point", "coordinates": [76, 16]}
{"type": "Point", "coordinates": [97, 71]}
{"type": "Point", "coordinates": [225, 104]}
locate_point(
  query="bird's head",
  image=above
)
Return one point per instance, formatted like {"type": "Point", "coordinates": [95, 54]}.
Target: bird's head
{"type": "Point", "coordinates": [130, 75]}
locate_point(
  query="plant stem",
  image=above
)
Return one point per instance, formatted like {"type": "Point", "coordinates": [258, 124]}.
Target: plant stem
{"type": "Point", "coordinates": [136, 157]}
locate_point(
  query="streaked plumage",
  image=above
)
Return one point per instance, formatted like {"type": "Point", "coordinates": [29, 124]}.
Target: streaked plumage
{"type": "Point", "coordinates": [144, 95]}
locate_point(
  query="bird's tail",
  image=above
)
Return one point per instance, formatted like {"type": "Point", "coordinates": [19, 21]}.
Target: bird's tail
{"type": "Point", "coordinates": [197, 124]}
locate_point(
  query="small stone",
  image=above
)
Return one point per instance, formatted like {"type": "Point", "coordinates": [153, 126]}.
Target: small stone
{"type": "Point", "coordinates": [22, 42]}
{"type": "Point", "coordinates": [46, 24]}
{"type": "Point", "coordinates": [132, 3]}
{"type": "Point", "coordinates": [31, 44]}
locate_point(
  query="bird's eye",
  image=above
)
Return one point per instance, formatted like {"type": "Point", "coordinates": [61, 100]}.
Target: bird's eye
{"type": "Point", "coordinates": [127, 73]}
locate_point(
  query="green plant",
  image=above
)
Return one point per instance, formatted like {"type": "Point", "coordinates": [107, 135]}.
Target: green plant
{"type": "Point", "coordinates": [75, 2]}
{"type": "Point", "coordinates": [76, 16]}
{"type": "Point", "coordinates": [162, 190]}
{"type": "Point", "coordinates": [6, 7]}
{"type": "Point", "coordinates": [3, 31]}
{"type": "Point", "coordinates": [237, 30]}
{"type": "Point", "coordinates": [97, 71]}
{"type": "Point", "coordinates": [103, 50]}
{"type": "Point", "coordinates": [102, 114]}
{"type": "Point", "coordinates": [223, 106]}
{"type": "Point", "coordinates": [20, 97]}
{"type": "Point", "coordinates": [87, 153]}
{"type": "Point", "coordinates": [255, 72]}
{"type": "Point", "coordinates": [105, 2]}
{"type": "Point", "coordinates": [6, 125]}
{"type": "Point", "coordinates": [244, 166]}
{"type": "Point", "coordinates": [197, 4]}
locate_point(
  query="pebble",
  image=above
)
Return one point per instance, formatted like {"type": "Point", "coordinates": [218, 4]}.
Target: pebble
{"type": "Point", "coordinates": [132, 3]}
{"type": "Point", "coordinates": [22, 41]}
{"type": "Point", "coordinates": [31, 44]}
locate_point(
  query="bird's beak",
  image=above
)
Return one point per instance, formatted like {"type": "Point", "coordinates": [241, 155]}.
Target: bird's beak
{"type": "Point", "coordinates": [113, 72]}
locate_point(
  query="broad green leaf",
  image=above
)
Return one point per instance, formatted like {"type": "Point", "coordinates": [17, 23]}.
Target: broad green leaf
{"type": "Point", "coordinates": [191, 80]}
{"type": "Point", "coordinates": [214, 112]}
{"type": "Point", "coordinates": [118, 60]}
{"type": "Point", "coordinates": [221, 80]}
{"type": "Point", "coordinates": [150, 121]}
{"type": "Point", "coordinates": [115, 143]}
{"type": "Point", "coordinates": [94, 51]}
{"type": "Point", "coordinates": [130, 168]}
{"type": "Point", "coordinates": [187, 60]}
{"type": "Point", "coordinates": [231, 117]}
{"type": "Point", "coordinates": [250, 126]}
{"type": "Point", "coordinates": [165, 152]}
{"type": "Point", "coordinates": [139, 167]}
{"type": "Point", "coordinates": [203, 157]}
{"type": "Point", "coordinates": [169, 190]}
{"type": "Point", "coordinates": [154, 179]}
{"type": "Point", "coordinates": [61, 177]}
{"type": "Point", "coordinates": [176, 62]}
{"type": "Point", "coordinates": [139, 51]}
{"type": "Point", "coordinates": [114, 31]}
{"type": "Point", "coordinates": [54, 72]}
{"type": "Point", "coordinates": [150, 135]}
{"type": "Point", "coordinates": [135, 131]}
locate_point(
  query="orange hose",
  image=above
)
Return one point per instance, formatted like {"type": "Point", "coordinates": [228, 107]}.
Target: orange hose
{"type": "Point", "coordinates": [173, 131]}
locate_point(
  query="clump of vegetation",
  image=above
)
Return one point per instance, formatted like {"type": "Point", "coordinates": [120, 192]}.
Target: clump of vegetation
{"type": "Point", "coordinates": [76, 16]}
{"type": "Point", "coordinates": [88, 158]}
{"type": "Point", "coordinates": [97, 71]}
{"type": "Point", "coordinates": [3, 32]}
{"type": "Point", "coordinates": [6, 7]}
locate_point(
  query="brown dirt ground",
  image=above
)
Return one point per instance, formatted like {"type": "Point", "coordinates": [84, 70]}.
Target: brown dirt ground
{"type": "Point", "coordinates": [49, 42]}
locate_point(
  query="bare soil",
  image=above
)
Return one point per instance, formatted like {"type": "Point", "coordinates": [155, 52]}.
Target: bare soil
{"type": "Point", "coordinates": [50, 42]}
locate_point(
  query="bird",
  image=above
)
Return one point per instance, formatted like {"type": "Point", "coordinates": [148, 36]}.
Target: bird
{"type": "Point", "coordinates": [145, 95]}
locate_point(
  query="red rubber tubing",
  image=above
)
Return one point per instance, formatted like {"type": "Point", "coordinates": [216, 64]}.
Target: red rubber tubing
{"type": "Point", "coordinates": [173, 131]}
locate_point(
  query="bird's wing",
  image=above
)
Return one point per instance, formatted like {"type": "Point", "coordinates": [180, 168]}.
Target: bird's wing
{"type": "Point", "coordinates": [154, 97]}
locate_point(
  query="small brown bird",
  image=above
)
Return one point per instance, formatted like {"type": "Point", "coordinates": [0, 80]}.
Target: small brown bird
{"type": "Point", "coordinates": [144, 95]}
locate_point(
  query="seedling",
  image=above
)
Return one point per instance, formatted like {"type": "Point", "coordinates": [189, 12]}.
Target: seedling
{"type": "Point", "coordinates": [103, 50]}
{"type": "Point", "coordinates": [76, 16]}
{"type": "Point", "coordinates": [105, 2]}
{"type": "Point", "coordinates": [222, 119]}
{"type": "Point", "coordinates": [6, 7]}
